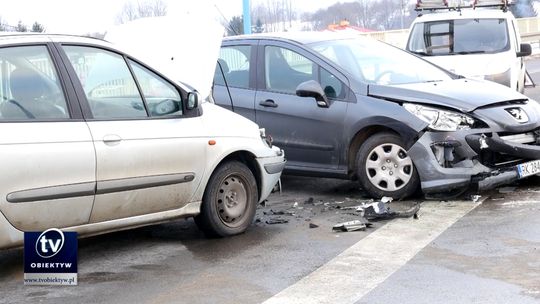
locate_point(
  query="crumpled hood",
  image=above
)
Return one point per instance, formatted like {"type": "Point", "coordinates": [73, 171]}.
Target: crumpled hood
{"type": "Point", "coordinates": [184, 46]}
{"type": "Point", "coordinates": [464, 95]}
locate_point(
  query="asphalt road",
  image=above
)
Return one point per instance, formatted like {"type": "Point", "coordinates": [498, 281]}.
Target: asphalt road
{"type": "Point", "coordinates": [456, 252]}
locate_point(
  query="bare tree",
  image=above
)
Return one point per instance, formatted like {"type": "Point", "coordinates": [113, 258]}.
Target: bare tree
{"type": "Point", "coordinates": [275, 15]}
{"type": "Point", "coordinates": [140, 9]}
{"type": "Point", "coordinates": [37, 28]}
{"type": "Point", "coordinates": [21, 27]}
{"type": "Point", "coordinates": [389, 14]}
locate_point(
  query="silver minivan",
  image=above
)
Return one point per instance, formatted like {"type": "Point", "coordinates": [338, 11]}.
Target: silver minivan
{"type": "Point", "coordinates": [93, 140]}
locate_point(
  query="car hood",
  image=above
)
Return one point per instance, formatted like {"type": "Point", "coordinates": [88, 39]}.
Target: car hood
{"type": "Point", "coordinates": [220, 122]}
{"type": "Point", "coordinates": [183, 46]}
{"type": "Point", "coordinates": [473, 65]}
{"type": "Point", "coordinates": [464, 95]}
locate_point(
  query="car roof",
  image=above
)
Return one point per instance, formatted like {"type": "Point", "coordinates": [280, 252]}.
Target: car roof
{"type": "Point", "coordinates": [466, 13]}
{"type": "Point", "coordinates": [307, 37]}
{"type": "Point", "coordinates": [16, 37]}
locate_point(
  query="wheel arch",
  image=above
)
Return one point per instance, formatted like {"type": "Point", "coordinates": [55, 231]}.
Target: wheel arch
{"type": "Point", "coordinates": [248, 159]}
{"type": "Point", "coordinates": [373, 126]}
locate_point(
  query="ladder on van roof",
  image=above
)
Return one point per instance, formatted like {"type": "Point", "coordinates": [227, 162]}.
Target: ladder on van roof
{"type": "Point", "coordinates": [433, 5]}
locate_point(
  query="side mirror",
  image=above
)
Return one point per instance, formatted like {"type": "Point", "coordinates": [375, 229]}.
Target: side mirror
{"type": "Point", "coordinates": [525, 50]}
{"type": "Point", "coordinates": [312, 88]}
{"type": "Point", "coordinates": [166, 107]}
{"type": "Point", "coordinates": [192, 100]}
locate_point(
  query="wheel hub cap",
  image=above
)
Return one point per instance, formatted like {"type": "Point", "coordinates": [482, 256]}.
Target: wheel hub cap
{"type": "Point", "coordinates": [388, 167]}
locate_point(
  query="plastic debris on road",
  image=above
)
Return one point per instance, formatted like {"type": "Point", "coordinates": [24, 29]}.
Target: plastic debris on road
{"type": "Point", "coordinates": [352, 226]}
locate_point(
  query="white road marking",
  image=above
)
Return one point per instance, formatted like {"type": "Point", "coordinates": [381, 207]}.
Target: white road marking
{"type": "Point", "coordinates": [366, 264]}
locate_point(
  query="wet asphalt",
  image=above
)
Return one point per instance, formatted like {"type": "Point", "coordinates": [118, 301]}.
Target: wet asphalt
{"type": "Point", "coordinates": [491, 255]}
{"type": "Point", "coordinates": [176, 263]}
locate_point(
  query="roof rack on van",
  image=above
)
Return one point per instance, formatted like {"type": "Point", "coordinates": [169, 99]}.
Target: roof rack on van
{"type": "Point", "coordinates": [432, 5]}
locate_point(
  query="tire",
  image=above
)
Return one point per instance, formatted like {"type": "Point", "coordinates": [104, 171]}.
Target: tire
{"type": "Point", "coordinates": [229, 201]}
{"type": "Point", "coordinates": [385, 169]}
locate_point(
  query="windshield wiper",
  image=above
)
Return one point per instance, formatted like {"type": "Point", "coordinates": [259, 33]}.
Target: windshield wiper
{"type": "Point", "coordinates": [466, 52]}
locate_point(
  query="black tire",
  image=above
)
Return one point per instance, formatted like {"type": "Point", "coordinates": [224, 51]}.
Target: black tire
{"type": "Point", "coordinates": [229, 201]}
{"type": "Point", "coordinates": [384, 168]}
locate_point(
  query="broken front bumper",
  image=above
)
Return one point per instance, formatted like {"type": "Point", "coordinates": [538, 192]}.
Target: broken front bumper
{"type": "Point", "coordinates": [270, 169]}
{"type": "Point", "coordinates": [452, 160]}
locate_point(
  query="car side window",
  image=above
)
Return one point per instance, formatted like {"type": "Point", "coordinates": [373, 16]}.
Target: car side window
{"type": "Point", "coordinates": [30, 88]}
{"type": "Point", "coordinates": [285, 69]}
{"type": "Point", "coordinates": [107, 82]}
{"type": "Point", "coordinates": [234, 66]}
{"type": "Point", "coordinates": [332, 86]}
{"type": "Point", "coordinates": [161, 97]}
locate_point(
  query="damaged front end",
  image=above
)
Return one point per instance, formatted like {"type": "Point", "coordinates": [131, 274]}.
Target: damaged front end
{"type": "Point", "coordinates": [498, 144]}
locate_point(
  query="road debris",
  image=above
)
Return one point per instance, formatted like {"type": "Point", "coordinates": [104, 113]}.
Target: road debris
{"type": "Point", "coordinates": [352, 226]}
{"type": "Point", "coordinates": [379, 211]}
{"type": "Point", "coordinates": [279, 212]}
{"type": "Point", "coordinates": [273, 221]}
{"type": "Point", "coordinates": [386, 199]}
{"type": "Point", "coordinates": [475, 198]}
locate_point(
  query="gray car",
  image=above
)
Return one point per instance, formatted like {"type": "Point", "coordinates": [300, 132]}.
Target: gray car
{"type": "Point", "coordinates": [354, 108]}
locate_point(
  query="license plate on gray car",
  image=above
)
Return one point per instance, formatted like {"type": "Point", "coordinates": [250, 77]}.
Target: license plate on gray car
{"type": "Point", "coordinates": [528, 168]}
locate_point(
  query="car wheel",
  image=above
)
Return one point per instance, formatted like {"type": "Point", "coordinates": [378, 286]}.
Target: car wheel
{"type": "Point", "coordinates": [229, 201]}
{"type": "Point", "coordinates": [385, 169]}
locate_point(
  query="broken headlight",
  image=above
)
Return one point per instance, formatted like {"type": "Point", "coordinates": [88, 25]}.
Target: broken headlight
{"type": "Point", "coordinates": [440, 120]}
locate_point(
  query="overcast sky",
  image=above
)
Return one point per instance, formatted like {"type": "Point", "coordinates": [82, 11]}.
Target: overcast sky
{"type": "Point", "coordinates": [84, 16]}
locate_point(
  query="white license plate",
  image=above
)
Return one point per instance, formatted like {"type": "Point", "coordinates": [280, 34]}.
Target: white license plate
{"type": "Point", "coordinates": [528, 168]}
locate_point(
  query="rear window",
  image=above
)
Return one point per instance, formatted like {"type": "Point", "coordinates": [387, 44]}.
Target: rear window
{"type": "Point", "coordinates": [464, 36]}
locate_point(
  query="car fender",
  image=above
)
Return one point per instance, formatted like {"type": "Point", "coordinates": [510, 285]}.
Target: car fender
{"type": "Point", "coordinates": [223, 148]}
{"type": "Point", "coordinates": [408, 133]}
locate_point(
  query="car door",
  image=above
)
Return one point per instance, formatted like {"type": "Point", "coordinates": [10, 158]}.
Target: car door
{"type": "Point", "coordinates": [311, 136]}
{"type": "Point", "coordinates": [234, 79]}
{"type": "Point", "coordinates": [46, 152]}
{"type": "Point", "coordinates": [150, 152]}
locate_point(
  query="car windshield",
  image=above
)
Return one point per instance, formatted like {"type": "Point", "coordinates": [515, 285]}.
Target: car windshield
{"type": "Point", "coordinates": [374, 62]}
{"type": "Point", "coordinates": [459, 37]}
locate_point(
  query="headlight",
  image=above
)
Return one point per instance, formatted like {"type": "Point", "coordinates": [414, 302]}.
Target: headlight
{"type": "Point", "coordinates": [440, 120]}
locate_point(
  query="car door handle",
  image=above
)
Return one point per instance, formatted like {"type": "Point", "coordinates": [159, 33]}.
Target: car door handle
{"type": "Point", "coordinates": [112, 139]}
{"type": "Point", "coordinates": [269, 103]}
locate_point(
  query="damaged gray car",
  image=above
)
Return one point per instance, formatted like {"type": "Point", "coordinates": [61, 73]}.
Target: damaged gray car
{"type": "Point", "coordinates": [354, 108]}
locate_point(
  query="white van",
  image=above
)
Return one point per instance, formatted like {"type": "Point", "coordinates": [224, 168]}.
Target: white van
{"type": "Point", "coordinates": [481, 43]}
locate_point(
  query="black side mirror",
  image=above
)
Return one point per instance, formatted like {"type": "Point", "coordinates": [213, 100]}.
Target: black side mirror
{"type": "Point", "coordinates": [312, 88]}
{"type": "Point", "coordinates": [192, 100]}
{"type": "Point", "coordinates": [524, 50]}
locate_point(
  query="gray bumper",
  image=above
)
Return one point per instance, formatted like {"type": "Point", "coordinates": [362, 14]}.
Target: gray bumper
{"type": "Point", "coordinates": [436, 178]}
